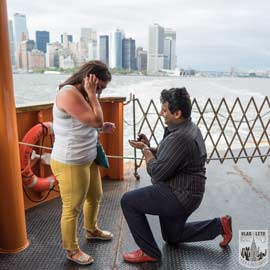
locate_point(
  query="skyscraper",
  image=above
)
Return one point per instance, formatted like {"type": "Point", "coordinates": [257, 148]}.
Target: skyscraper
{"type": "Point", "coordinates": [167, 53]}
{"type": "Point", "coordinates": [141, 57]}
{"type": "Point", "coordinates": [52, 55]}
{"type": "Point", "coordinates": [11, 43]}
{"type": "Point", "coordinates": [128, 54]}
{"type": "Point", "coordinates": [36, 59]}
{"type": "Point", "coordinates": [21, 32]}
{"type": "Point", "coordinates": [24, 51]}
{"type": "Point", "coordinates": [88, 35]}
{"type": "Point", "coordinates": [42, 38]}
{"type": "Point", "coordinates": [155, 48]}
{"type": "Point", "coordinates": [68, 37]}
{"type": "Point", "coordinates": [169, 49]}
{"type": "Point", "coordinates": [65, 40]}
{"type": "Point", "coordinates": [116, 49]}
{"type": "Point", "coordinates": [104, 49]}
{"type": "Point", "coordinates": [92, 50]}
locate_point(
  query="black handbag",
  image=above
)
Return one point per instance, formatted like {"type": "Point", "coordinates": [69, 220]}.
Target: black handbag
{"type": "Point", "coordinates": [101, 159]}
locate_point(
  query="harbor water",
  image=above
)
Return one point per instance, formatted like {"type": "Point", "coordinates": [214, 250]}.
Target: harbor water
{"type": "Point", "coordinates": [35, 88]}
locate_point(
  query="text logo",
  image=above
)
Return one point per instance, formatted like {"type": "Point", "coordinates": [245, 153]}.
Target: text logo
{"type": "Point", "coordinates": [253, 248]}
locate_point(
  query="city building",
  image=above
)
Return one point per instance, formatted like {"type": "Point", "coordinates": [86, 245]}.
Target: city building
{"type": "Point", "coordinates": [92, 50]}
{"type": "Point", "coordinates": [36, 59]}
{"type": "Point", "coordinates": [155, 61]}
{"type": "Point", "coordinates": [75, 53]}
{"type": "Point", "coordinates": [104, 49]}
{"type": "Point", "coordinates": [169, 49]}
{"type": "Point", "coordinates": [21, 32]}
{"type": "Point", "coordinates": [65, 40]}
{"type": "Point", "coordinates": [128, 54]}
{"type": "Point", "coordinates": [11, 43]}
{"type": "Point", "coordinates": [88, 35]}
{"type": "Point", "coordinates": [24, 50]}
{"type": "Point", "coordinates": [116, 49]}
{"type": "Point", "coordinates": [42, 38]}
{"type": "Point", "coordinates": [68, 38]}
{"type": "Point", "coordinates": [141, 57]}
{"type": "Point", "coordinates": [167, 53]}
{"type": "Point", "coordinates": [66, 62]}
{"type": "Point", "coordinates": [52, 55]}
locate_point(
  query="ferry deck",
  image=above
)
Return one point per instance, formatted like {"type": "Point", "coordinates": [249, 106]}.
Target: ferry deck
{"type": "Point", "coordinates": [239, 190]}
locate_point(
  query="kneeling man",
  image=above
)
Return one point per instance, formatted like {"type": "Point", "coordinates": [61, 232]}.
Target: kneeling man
{"type": "Point", "coordinates": [177, 170]}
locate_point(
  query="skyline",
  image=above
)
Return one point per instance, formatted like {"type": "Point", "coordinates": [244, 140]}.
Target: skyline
{"type": "Point", "coordinates": [213, 35]}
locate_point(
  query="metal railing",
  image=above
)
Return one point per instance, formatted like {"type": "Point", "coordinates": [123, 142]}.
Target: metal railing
{"type": "Point", "coordinates": [231, 130]}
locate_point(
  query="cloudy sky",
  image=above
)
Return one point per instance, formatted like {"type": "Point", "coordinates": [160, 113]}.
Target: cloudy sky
{"type": "Point", "coordinates": [211, 34]}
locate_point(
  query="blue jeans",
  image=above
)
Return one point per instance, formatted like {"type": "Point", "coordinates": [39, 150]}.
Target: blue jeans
{"type": "Point", "coordinates": [159, 200]}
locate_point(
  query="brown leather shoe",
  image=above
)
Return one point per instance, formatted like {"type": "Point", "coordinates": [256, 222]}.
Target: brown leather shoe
{"type": "Point", "coordinates": [138, 256]}
{"type": "Point", "coordinates": [226, 223]}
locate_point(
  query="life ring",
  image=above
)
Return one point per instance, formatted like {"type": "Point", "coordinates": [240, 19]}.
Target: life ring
{"type": "Point", "coordinates": [30, 180]}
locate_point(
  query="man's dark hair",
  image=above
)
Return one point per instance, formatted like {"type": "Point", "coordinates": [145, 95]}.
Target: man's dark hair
{"type": "Point", "coordinates": [178, 99]}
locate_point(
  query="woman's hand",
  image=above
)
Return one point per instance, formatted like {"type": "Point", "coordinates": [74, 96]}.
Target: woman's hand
{"type": "Point", "coordinates": [137, 144]}
{"type": "Point", "coordinates": [90, 84]}
{"type": "Point", "coordinates": [108, 127]}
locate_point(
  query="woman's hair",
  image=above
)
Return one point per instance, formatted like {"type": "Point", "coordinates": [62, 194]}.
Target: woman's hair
{"type": "Point", "coordinates": [92, 67]}
{"type": "Point", "coordinates": [178, 99]}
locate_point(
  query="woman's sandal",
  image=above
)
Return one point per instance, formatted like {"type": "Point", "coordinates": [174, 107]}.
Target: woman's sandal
{"type": "Point", "coordinates": [83, 259]}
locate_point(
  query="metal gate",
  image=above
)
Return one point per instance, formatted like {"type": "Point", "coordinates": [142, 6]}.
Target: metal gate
{"type": "Point", "coordinates": [231, 131]}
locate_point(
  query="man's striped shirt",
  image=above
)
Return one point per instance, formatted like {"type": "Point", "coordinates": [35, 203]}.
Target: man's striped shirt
{"type": "Point", "coordinates": [180, 163]}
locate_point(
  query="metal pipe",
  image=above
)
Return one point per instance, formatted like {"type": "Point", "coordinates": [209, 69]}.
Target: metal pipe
{"type": "Point", "coordinates": [13, 237]}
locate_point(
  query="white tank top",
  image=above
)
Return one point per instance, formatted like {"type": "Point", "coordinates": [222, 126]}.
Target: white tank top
{"type": "Point", "coordinates": [75, 142]}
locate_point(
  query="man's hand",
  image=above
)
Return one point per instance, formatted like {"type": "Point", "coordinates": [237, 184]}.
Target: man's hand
{"type": "Point", "coordinates": [145, 149]}
{"type": "Point", "coordinates": [137, 144]}
{"type": "Point", "coordinates": [142, 138]}
{"type": "Point", "coordinates": [108, 127]}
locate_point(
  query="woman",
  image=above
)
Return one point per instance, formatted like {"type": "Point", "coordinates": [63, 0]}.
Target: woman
{"type": "Point", "coordinates": [77, 115]}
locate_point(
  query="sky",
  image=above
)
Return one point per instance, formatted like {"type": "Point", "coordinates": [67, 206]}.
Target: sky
{"type": "Point", "coordinates": [210, 34]}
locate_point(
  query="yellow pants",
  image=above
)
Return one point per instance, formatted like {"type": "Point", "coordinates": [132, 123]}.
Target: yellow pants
{"type": "Point", "coordinates": [80, 185]}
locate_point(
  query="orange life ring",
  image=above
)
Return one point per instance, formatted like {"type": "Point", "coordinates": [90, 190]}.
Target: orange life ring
{"type": "Point", "coordinates": [30, 180]}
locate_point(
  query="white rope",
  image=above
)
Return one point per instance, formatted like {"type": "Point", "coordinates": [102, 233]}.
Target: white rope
{"type": "Point", "coordinates": [123, 157]}
{"type": "Point", "coordinates": [50, 148]}
{"type": "Point", "coordinates": [133, 158]}
{"type": "Point", "coordinates": [34, 145]}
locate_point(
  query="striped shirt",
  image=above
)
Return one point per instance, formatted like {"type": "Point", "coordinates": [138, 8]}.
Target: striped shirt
{"type": "Point", "coordinates": [180, 163]}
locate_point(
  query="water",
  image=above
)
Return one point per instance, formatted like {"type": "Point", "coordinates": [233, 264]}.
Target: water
{"type": "Point", "coordinates": [42, 87]}
{"type": "Point", "coordinates": [33, 88]}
